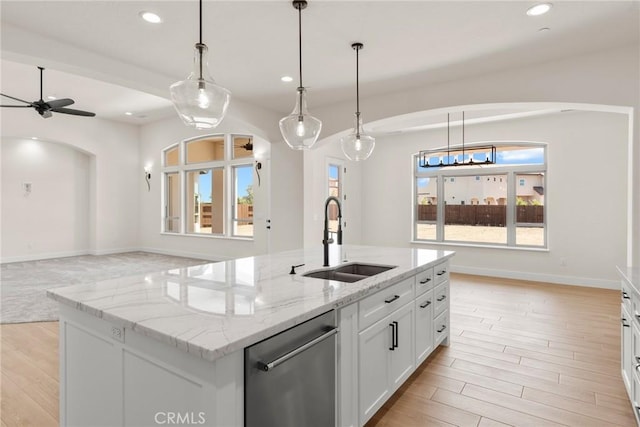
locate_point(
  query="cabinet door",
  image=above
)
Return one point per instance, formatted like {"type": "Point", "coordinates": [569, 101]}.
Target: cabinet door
{"type": "Point", "coordinates": [403, 356]}
{"type": "Point", "coordinates": [424, 326]}
{"type": "Point", "coordinates": [375, 346]}
{"type": "Point", "coordinates": [627, 349]}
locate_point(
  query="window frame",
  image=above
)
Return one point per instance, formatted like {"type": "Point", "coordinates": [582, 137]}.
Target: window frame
{"type": "Point", "coordinates": [511, 171]}
{"type": "Point", "coordinates": [183, 168]}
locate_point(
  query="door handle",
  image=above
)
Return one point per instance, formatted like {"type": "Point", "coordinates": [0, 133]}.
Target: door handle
{"type": "Point", "coordinates": [442, 298]}
{"type": "Point", "coordinates": [427, 280]}
{"type": "Point", "coordinates": [426, 304]}
{"type": "Point", "coordinates": [440, 273]}
{"type": "Point", "coordinates": [623, 320]}
{"type": "Point", "coordinates": [625, 295]}
{"type": "Point", "coordinates": [441, 329]}
{"type": "Point", "coordinates": [395, 344]}
{"type": "Point", "coordinates": [270, 365]}
{"type": "Point", "coordinates": [393, 335]}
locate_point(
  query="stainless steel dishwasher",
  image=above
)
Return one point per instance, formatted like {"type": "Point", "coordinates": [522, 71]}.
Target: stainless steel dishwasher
{"type": "Point", "coordinates": [290, 378]}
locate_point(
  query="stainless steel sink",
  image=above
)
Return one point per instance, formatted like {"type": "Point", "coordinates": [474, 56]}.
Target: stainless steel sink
{"type": "Point", "coordinates": [350, 273]}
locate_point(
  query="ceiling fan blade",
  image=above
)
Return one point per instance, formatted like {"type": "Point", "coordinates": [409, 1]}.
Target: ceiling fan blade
{"type": "Point", "coordinates": [73, 112]}
{"type": "Point", "coordinates": [59, 103]}
{"type": "Point", "coordinates": [16, 106]}
{"type": "Point", "coordinates": [17, 99]}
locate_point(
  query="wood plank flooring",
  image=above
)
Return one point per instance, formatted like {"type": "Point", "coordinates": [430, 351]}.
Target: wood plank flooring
{"type": "Point", "coordinates": [521, 354]}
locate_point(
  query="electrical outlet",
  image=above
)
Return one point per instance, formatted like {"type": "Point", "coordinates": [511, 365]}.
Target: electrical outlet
{"type": "Point", "coordinates": [117, 333]}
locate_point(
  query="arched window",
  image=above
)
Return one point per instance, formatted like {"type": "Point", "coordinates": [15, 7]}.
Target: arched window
{"type": "Point", "coordinates": [208, 186]}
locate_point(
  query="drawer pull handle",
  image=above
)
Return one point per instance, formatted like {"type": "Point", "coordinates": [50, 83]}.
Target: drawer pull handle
{"type": "Point", "coordinates": [427, 280]}
{"type": "Point", "coordinates": [392, 299]}
{"type": "Point", "coordinates": [441, 328]}
{"type": "Point", "coordinates": [442, 298]}
{"type": "Point", "coordinates": [440, 273]}
{"type": "Point", "coordinates": [625, 295]}
{"type": "Point", "coordinates": [623, 320]}
{"type": "Point", "coordinates": [426, 304]}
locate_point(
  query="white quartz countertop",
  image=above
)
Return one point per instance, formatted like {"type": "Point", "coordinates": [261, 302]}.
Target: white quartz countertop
{"type": "Point", "coordinates": [215, 309]}
{"type": "Point", "coordinates": [632, 276]}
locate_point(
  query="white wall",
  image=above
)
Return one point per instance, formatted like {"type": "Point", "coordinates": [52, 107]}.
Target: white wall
{"type": "Point", "coordinates": [114, 174]}
{"type": "Point", "coordinates": [608, 77]}
{"type": "Point", "coordinates": [281, 188]}
{"type": "Point", "coordinates": [585, 196]}
{"type": "Point", "coordinates": [53, 218]}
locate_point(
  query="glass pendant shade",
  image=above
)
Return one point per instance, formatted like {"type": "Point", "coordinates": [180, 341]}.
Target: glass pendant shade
{"type": "Point", "coordinates": [299, 129]}
{"type": "Point", "coordinates": [199, 101]}
{"type": "Point", "coordinates": [357, 145]}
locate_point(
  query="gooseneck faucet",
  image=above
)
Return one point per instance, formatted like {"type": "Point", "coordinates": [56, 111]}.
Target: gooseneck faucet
{"type": "Point", "coordinates": [326, 239]}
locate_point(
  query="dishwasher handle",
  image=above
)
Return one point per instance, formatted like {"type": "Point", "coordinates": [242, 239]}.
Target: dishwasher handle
{"type": "Point", "coordinates": [268, 366]}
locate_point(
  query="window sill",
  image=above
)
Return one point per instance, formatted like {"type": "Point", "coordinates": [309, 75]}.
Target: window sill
{"type": "Point", "coordinates": [207, 236]}
{"type": "Point", "coordinates": [479, 245]}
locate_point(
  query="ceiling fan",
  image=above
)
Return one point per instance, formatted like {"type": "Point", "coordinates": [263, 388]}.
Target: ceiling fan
{"type": "Point", "coordinates": [45, 109]}
{"type": "Point", "coordinates": [248, 146]}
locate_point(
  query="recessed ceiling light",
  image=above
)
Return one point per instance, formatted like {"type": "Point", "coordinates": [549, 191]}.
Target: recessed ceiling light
{"type": "Point", "coordinates": [151, 17]}
{"type": "Point", "coordinates": [286, 79]}
{"type": "Point", "coordinates": [539, 9]}
{"type": "Point", "coordinates": [51, 97]}
{"type": "Point", "coordinates": [35, 138]}
{"type": "Point", "coordinates": [128, 113]}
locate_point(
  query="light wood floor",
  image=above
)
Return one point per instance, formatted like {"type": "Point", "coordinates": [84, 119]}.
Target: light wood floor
{"type": "Point", "coordinates": [521, 354]}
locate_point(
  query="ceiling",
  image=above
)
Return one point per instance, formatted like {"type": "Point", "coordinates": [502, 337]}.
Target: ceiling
{"type": "Point", "coordinates": [253, 43]}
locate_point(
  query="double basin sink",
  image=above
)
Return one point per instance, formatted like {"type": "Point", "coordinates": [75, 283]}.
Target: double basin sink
{"type": "Point", "coordinates": [349, 272]}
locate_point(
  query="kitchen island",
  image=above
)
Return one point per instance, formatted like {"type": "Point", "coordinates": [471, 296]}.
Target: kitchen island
{"type": "Point", "coordinates": [152, 349]}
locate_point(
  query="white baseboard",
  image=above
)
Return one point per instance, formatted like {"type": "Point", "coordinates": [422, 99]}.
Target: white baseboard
{"type": "Point", "coordinates": [49, 255]}
{"type": "Point", "coordinates": [113, 251]}
{"type": "Point", "coordinates": [186, 254]}
{"type": "Point", "coordinates": [537, 277]}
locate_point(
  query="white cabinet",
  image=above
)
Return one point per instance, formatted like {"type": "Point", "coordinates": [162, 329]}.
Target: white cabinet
{"type": "Point", "coordinates": [424, 326]}
{"type": "Point", "coordinates": [627, 350]}
{"type": "Point", "coordinates": [630, 336]}
{"type": "Point", "coordinates": [386, 359]}
{"type": "Point", "coordinates": [398, 328]}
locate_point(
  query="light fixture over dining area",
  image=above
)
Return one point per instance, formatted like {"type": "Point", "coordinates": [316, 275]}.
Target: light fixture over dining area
{"type": "Point", "coordinates": [199, 101]}
{"type": "Point", "coordinates": [462, 155]}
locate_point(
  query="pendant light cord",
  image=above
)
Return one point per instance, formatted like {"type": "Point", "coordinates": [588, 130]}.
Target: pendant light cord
{"type": "Point", "coordinates": [463, 137]}
{"type": "Point", "coordinates": [300, 42]}
{"type": "Point", "coordinates": [200, 44]}
{"type": "Point", "coordinates": [357, 81]}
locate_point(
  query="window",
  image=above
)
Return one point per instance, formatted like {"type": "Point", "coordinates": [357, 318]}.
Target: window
{"type": "Point", "coordinates": [481, 204]}
{"type": "Point", "coordinates": [212, 187]}
{"type": "Point", "coordinates": [243, 195]}
{"type": "Point", "coordinates": [334, 178]}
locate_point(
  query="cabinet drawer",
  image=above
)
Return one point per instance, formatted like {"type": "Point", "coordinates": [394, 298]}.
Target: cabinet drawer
{"type": "Point", "coordinates": [440, 328]}
{"type": "Point", "coordinates": [424, 281]}
{"type": "Point", "coordinates": [440, 298]}
{"type": "Point", "coordinates": [384, 302]}
{"type": "Point", "coordinates": [441, 273]}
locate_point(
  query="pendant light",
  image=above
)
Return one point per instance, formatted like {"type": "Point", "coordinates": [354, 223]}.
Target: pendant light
{"type": "Point", "coordinates": [357, 145]}
{"type": "Point", "coordinates": [199, 101]}
{"type": "Point", "coordinates": [299, 129]}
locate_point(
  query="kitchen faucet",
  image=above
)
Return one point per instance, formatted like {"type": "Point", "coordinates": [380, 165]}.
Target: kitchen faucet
{"type": "Point", "coordinates": [326, 239]}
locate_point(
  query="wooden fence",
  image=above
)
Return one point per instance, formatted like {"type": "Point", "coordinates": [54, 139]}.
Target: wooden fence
{"type": "Point", "coordinates": [244, 211]}
{"type": "Point", "coordinates": [491, 215]}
